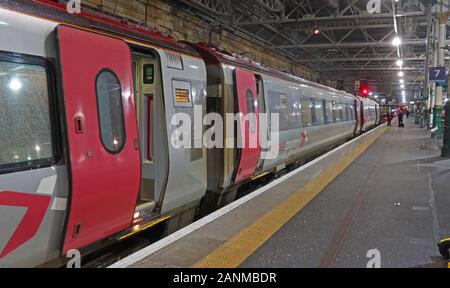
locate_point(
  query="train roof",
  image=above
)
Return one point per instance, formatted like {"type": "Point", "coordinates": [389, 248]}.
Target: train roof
{"type": "Point", "coordinates": [89, 19]}
{"type": "Point", "coordinates": [237, 60]}
{"type": "Point", "coordinates": [129, 30]}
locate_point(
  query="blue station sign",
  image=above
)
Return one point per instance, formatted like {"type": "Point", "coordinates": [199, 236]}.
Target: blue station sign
{"type": "Point", "coordinates": [438, 74]}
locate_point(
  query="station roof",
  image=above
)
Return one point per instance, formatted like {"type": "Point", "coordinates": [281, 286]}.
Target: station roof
{"type": "Point", "coordinates": [329, 35]}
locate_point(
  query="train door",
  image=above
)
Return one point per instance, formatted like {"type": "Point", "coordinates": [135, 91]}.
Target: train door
{"type": "Point", "coordinates": [262, 109]}
{"type": "Point", "coordinates": [362, 115]}
{"type": "Point", "coordinates": [359, 120]}
{"type": "Point", "coordinates": [101, 133]}
{"type": "Point", "coordinates": [247, 103]}
{"type": "Point", "coordinates": [149, 108]}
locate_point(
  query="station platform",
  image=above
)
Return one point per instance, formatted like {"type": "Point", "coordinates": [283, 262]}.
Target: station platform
{"type": "Point", "coordinates": [386, 191]}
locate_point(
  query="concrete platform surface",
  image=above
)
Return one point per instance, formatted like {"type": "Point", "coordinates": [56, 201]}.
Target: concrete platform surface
{"type": "Point", "coordinates": [385, 194]}
{"type": "Point", "coordinates": [395, 198]}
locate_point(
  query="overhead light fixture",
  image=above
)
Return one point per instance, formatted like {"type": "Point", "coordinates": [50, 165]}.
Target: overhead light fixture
{"type": "Point", "coordinates": [397, 41]}
{"type": "Point", "coordinates": [399, 62]}
{"type": "Point", "coordinates": [402, 86]}
{"type": "Point", "coordinates": [316, 31]}
{"type": "Point", "coordinates": [401, 74]}
{"type": "Point", "coordinates": [402, 81]}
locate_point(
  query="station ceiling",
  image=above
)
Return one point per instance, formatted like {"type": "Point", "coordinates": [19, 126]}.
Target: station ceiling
{"type": "Point", "coordinates": [350, 38]}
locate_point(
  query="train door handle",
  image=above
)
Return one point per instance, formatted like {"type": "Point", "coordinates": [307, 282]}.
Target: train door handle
{"type": "Point", "coordinates": [79, 125]}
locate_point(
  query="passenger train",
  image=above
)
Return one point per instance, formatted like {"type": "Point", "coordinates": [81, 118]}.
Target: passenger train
{"type": "Point", "coordinates": [86, 103]}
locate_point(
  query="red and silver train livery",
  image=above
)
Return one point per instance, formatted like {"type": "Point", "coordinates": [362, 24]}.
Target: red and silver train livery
{"type": "Point", "coordinates": [86, 104]}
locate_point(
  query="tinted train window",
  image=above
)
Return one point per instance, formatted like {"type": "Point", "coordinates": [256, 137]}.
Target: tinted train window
{"type": "Point", "coordinates": [336, 112]}
{"type": "Point", "coordinates": [351, 112]}
{"type": "Point", "coordinates": [288, 109]}
{"type": "Point", "coordinates": [305, 104]}
{"type": "Point", "coordinates": [313, 112]}
{"type": "Point", "coordinates": [110, 111]}
{"type": "Point", "coordinates": [345, 111]}
{"type": "Point", "coordinates": [25, 131]}
{"type": "Point", "coordinates": [295, 119]}
{"type": "Point", "coordinates": [328, 110]}
{"type": "Point", "coordinates": [319, 111]}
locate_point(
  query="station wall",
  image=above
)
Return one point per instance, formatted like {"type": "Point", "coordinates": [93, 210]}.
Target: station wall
{"type": "Point", "coordinates": [163, 16]}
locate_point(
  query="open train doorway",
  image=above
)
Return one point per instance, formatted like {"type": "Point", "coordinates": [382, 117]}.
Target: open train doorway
{"type": "Point", "coordinates": [148, 86]}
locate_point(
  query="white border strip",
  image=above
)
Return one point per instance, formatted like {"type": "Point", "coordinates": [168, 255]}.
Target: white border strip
{"type": "Point", "coordinates": [151, 249]}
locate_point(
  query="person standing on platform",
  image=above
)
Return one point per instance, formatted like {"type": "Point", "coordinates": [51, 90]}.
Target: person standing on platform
{"type": "Point", "coordinates": [407, 113]}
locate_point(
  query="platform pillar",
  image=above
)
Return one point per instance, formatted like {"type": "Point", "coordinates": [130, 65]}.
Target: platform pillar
{"type": "Point", "coordinates": [431, 123]}
{"type": "Point", "coordinates": [437, 111]}
{"type": "Point", "coordinates": [446, 146]}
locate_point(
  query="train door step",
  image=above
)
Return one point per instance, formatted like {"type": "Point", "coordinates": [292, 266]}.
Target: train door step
{"type": "Point", "coordinates": [145, 210]}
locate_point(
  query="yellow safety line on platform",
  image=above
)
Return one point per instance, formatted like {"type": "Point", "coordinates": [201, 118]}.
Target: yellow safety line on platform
{"type": "Point", "coordinates": [235, 251]}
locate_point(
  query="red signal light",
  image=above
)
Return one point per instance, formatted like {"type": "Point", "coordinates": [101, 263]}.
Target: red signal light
{"type": "Point", "coordinates": [364, 91]}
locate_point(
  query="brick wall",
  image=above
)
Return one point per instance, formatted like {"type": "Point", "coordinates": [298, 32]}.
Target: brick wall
{"type": "Point", "coordinates": [163, 16]}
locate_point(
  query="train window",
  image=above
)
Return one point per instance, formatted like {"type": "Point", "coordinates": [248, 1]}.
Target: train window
{"type": "Point", "coordinates": [274, 99]}
{"type": "Point", "coordinates": [110, 111]}
{"type": "Point", "coordinates": [296, 119]}
{"type": "Point", "coordinates": [344, 115]}
{"type": "Point", "coordinates": [306, 112]}
{"type": "Point", "coordinates": [346, 111]}
{"type": "Point", "coordinates": [26, 132]}
{"type": "Point", "coordinates": [313, 112]}
{"type": "Point", "coordinates": [319, 111]}
{"type": "Point", "coordinates": [336, 112]}
{"type": "Point", "coordinates": [328, 111]}
{"type": "Point", "coordinates": [352, 112]}
{"type": "Point", "coordinates": [283, 102]}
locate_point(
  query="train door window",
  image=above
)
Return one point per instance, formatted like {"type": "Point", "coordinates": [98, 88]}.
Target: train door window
{"type": "Point", "coordinates": [305, 104]}
{"type": "Point", "coordinates": [26, 138]}
{"type": "Point", "coordinates": [320, 116]}
{"type": "Point", "coordinates": [260, 94]}
{"type": "Point", "coordinates": [328, 111]}
{"type": "Point", "coordinates": [110, 111]}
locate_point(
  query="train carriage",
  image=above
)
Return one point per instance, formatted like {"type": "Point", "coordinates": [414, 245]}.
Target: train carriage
{"type": "Point", "coordinates": [89, 109]}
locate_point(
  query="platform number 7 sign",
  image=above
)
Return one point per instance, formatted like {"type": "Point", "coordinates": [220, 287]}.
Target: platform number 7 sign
{"type": "Point", "coordinates": [438, 74]}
